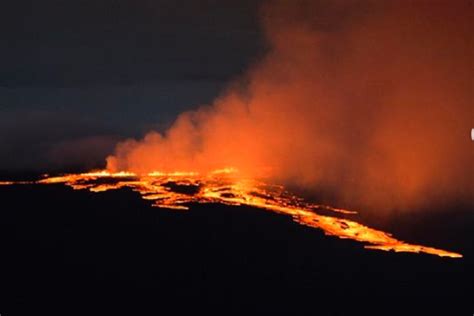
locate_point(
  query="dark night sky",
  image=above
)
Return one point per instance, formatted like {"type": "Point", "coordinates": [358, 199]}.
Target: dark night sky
{"type": "Point", "coordinates": [76, 76]}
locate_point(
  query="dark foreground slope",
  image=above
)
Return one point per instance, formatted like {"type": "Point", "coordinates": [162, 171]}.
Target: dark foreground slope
{"type": "Point", "coordinates": [74, 252]}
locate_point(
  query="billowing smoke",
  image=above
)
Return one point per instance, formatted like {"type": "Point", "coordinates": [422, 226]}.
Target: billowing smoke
{"type": "Point", "coordinates": [368, 103]}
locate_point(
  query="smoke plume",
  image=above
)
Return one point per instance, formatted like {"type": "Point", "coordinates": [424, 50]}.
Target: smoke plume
{"type": "Point", "coordinates": [365, 102]}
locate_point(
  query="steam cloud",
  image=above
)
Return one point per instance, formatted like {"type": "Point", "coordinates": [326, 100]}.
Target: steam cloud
{"type": "Point", "coordinates": [368, 103]}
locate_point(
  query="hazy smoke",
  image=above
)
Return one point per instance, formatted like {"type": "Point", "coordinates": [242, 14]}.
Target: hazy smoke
{"type": "Point", "coordinates": [368, 103]}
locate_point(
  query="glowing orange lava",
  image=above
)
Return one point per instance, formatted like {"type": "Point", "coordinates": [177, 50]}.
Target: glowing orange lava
{"type": "Point", "coordinates": [176, 190]}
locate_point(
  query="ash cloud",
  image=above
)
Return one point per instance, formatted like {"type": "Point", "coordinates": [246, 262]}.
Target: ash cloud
{"type": "Point", "coordinates": [367, 103]}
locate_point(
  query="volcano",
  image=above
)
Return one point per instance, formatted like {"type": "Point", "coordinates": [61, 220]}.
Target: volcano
{"type": "Point", "coordinates": [236, 157]}
{"type": "Point", "coordinates": [195, 243]}
{"type": "Point", "coordinates": [174, 190]}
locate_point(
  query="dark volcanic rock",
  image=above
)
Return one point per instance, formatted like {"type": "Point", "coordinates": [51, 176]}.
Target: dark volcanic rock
{"type": "Point", "coordinates": [75, 252]}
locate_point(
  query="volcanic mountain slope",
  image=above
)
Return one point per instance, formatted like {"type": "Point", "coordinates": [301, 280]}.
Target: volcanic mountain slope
{"type": "Point", "coordinates": [75, 252]}
{"type": "Point", "coordinates": [175, 190]}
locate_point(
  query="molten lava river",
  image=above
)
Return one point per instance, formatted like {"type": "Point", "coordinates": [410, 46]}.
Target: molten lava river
{"type": "Point", "coordinates": [177, 190]}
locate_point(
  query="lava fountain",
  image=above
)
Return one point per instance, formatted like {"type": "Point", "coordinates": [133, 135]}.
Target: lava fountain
{"type": "Point", "coordinates": [177, 190]}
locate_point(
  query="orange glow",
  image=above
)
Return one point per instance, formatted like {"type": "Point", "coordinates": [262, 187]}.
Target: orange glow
{"type": "Point", "coordinates": [15, 182]}
{"type": "Point", "coordinates": [225, 186]}
{"type": "Point", "coordinates": [357, 110]}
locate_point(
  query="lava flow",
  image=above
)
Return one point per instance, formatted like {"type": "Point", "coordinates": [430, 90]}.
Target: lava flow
{"type": "Point", "coordinates": [177, 190]}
